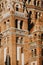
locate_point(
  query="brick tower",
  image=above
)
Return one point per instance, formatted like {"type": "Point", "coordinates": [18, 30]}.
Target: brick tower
{"type": "Point", "coordinates": [21, 32]}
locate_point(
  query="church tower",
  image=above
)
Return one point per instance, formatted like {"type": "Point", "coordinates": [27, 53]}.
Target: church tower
{"type": "Point", "coordinates": [21, 32]}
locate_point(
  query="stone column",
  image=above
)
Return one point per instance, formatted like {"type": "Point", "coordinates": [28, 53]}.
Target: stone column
{"type": "Point", "coordinates": [12, 42]}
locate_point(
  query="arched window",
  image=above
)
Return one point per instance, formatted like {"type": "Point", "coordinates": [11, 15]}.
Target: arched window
{"type": "Point", "coordinates": [35, 2]}
{"type": "Point", "coordinates": [34, 53]}
{"type": "Point", "coordinates": [7, 60]}
{"type": "Point", "coordinates": [18, 24]}
{"type": "Point", "coordinates": [19, 40]}
{"type": "Point", "coordinates": [38, 3]}
{"type": "Point", "coordinates": [17, 8]}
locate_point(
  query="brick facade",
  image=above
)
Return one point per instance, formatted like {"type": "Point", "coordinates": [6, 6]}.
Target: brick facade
{"type": "Point", "coordinates": [21, 32]}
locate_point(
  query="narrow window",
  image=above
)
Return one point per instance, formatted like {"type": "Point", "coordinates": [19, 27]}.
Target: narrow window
{"type": "Point", "coordinates": [7, 60]}
{"type": "Point", "coordinates": [35, 2]}
{"type": "Point", "coordinates": [22, 50]}
{"type": "Point", "coordinates": [17, 8]}
{"type": "Point", "coordinates": [17, 62]}
{"type": "Point", "coordinates": [42, 62]}
{"type": "Point", "coordinates": [16, 22]}
{"type": "Point", "coordinates": [32, 53]}
{"type": "Point", "coordinates": [42, 3]}
{"type": "Point", "coordinates": [0, 5]}
{"type": "Point", "coordinates": [38, 3]}
{"type": "Point", "coordinates": [42, 52]}
{"type": "Point", "coordinates": [17, 39]}
{"type": "Point", "coordinates": [21, 40]}
{"type": "Point", "coordinates": [35, 34]}
{"type": "Point", "coordinates": [0, 42]}
{"type": "Point", "coordinates": [0, 8]}
{"type": "Point", "coordinates": [36, 15]}
{"type": "Point", "coordinates": [5, 22]}
{"type": "Point", "coordinates": [35, 51]}
{"type": "Point", "coordinates": [41, 37]}
{"type": "Point", "coordinates": [21, 23]}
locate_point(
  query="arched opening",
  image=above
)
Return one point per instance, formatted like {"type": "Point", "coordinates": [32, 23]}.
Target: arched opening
{"type": "Point", "coordinates": [18, 24]}
{"type": "Point", "coordinates": [34, 52]}
{"type": "Point", "coordinates": [7, 62]}
{"type": "Point", "coordinates": [38, 3]}
{"type": "Point", "coordinates": [35, 2]}
{"type": "Point", "coordinates": [17, 8]}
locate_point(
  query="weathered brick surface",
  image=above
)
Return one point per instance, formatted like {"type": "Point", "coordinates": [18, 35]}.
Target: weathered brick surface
{"type": "Point", "coordinates": [28, 44]}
